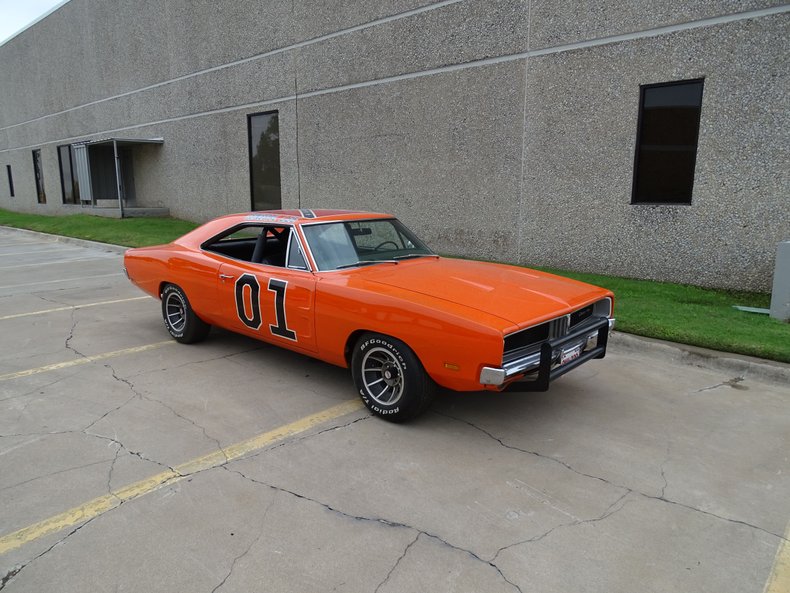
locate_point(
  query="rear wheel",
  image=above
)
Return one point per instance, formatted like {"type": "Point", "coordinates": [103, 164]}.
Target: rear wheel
{"type": "Point", "coordinates": [180, 320]}
{"type": "Point", "coordinates": [390, 378]}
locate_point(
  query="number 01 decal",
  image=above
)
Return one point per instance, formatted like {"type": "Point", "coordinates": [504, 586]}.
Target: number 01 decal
{"type": "Point", "coordinates": [281, 328]}
{"type": "Point", "coordinates": [254, 320]}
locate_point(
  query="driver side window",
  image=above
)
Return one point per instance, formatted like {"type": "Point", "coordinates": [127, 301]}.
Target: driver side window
{"type": "Point", "coordinates": [255, 243]}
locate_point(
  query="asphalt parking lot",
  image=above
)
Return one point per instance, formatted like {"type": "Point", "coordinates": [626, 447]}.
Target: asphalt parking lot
{"type": "Point", "coordinates": [131, 463]}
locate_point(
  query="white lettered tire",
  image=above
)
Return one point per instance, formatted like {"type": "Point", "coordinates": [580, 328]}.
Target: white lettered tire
{"type": "Point", "coordinates": [180, 320]}
{"type": "Point", "coordinates": [390, 378]}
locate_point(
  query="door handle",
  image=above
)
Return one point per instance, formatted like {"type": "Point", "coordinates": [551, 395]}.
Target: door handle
{"type": "Point", "coordinates": [224, 277]}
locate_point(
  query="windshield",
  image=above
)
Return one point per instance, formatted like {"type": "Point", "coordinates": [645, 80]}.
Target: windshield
{"type": "Point", "coordinates": [337, 245]}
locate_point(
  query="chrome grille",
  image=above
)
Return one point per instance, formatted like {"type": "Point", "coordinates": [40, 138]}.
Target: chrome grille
{"type": "Point", "coordinates": [527, 341]}
{"type": "Point", "coordinates": [559, 327]}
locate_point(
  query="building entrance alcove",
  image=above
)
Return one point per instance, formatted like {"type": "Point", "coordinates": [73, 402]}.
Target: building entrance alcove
{"type": "Point", "coordinates": [103, 176]}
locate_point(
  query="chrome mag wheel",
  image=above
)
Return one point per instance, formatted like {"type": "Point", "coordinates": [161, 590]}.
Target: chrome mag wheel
{"type": "Point", "coordinates": [382, 376]}
{"type": "Point", "coordinates": [175, 312]}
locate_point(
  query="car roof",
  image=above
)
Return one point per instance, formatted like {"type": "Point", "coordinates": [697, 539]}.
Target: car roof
{"type": "Point", "coordinates": [302, 215]}
{"type": "Point", "coordinates": [195, 238]}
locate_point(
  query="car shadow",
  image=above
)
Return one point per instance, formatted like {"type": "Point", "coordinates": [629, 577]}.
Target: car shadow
{"type": "Point", "coordinates": [566, 396]}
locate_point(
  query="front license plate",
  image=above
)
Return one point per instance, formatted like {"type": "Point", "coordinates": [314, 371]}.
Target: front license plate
{"type": "Point", "coordinates": [570, 354]}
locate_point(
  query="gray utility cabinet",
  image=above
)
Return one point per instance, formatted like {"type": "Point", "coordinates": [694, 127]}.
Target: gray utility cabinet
{"type": "Point", "coordinates": [780, 295]}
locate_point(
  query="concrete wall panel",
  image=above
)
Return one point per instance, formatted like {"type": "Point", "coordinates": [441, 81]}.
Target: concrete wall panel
{"type": "Point", "coordinates": [454, 34]}
{"type": "Point", "coordinates": [468, 157]}
{"type": "Point", "coordinates": [580, 136]}
{"type": "Point", "coordinates": [85, 51]}
{"type": "Point", "coordinates": [559, 22]}
{"type": "Point", "coordinates": [108, 48]}
{"type": "Point", "coordinates": [314, 19]}
{"type": "Point", "coordinates": [191, 170]}
{"type": "Point", "coordinates": [202, 171]}
{"type": "Point", "coordinates": [443, 154]}
{"type": "Point", "coordinates": [91, 49]}
{"type": "Point", "coordinates": [251, 82]}
{"type": "Point", "coordinates": [207, 33]}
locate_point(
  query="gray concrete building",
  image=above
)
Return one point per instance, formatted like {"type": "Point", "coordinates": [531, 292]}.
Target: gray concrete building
{"type": "Point", "coordinates": [645, 139]}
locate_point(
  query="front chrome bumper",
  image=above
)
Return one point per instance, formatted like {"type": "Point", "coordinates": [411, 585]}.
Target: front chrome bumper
{"type": "Point", "coordinates": [546, 362]}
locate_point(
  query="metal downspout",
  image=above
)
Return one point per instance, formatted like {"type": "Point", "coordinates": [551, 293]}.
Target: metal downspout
{"type": "Point", "coordinates": [117, 175]}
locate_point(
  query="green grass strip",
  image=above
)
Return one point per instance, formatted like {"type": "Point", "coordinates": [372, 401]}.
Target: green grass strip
{"type": "Point", "coordinates": [131, 232]}
{"type": "Point", "coordinates": [693, 315]}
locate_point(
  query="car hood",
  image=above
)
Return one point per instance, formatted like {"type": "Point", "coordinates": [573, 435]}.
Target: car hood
{"type": "Point", "coordinates": [520, 296]}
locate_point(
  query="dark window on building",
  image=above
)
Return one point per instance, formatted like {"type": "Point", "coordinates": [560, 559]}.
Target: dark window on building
{"type": "Point", "coordinates": [10, 180]}
{"type": "Point", "coordinates": [264, 143]}
{"type": "Point", "coordinates": [666, 145]}
{"type": "Point", "coordinates": [39, 175]}
{"type": "Point", "coordinates": [68, 182]}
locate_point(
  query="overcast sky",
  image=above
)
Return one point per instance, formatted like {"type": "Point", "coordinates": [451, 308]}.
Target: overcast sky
{"type": "Point", "coordinates": [15, 15]}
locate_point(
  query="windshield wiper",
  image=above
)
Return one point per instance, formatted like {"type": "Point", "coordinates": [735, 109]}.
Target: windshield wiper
{"type": "Point", "coordinates": [367, 262]}
{"type": "Point", "coordinates": [411, 255]}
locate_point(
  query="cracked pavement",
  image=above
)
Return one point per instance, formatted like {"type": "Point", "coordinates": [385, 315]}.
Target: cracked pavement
{"type": "Point", "coordinates": [631, 473]}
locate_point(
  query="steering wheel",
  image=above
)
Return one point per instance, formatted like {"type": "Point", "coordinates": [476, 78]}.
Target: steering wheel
{"type": "Point", "coordinates": [380, 245]}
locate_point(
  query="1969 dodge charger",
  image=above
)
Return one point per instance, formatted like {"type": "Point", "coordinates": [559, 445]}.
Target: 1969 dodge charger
{"type": "Point", "coordinates": [359, 289]}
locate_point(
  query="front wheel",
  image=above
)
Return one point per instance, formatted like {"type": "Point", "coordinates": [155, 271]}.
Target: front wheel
{"type": "Point", "coordinates": [390, 378]}
{"type": "Point", "coordinates": [180, 320]}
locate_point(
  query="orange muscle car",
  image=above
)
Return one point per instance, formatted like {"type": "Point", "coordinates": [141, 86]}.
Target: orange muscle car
{"type": "Point", "coordinates": [359, 289]}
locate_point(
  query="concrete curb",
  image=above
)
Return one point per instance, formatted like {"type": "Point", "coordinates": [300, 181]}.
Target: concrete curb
{"type": "Point", "coordinates": [70, 240]}
{"type": "Point", "coordinates": [735, 364]}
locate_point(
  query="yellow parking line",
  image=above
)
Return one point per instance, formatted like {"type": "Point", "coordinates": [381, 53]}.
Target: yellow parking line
{"type": "Point", "coordinates": [70, 307]}
{"type": "Point", "coordinates": [779, 581]}
{"type": "Point", "coordinates": [102, 504]}
{"type": "Point", "coordinates": [53, 263]}
{"type": "Point", "coordinates": [60, 250]}
{"type": "Point", "coordinates": [85, 360]}
{"type": "Point", "coordinates": [60, 280]}
{"type": "Point", "coordinates": [26, 243]}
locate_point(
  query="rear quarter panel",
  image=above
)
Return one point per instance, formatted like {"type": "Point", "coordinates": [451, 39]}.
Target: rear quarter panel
{"type": "Point", "coordinates": [151, 267]}
{"type": "Point", "coordinates": [146, 266]}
